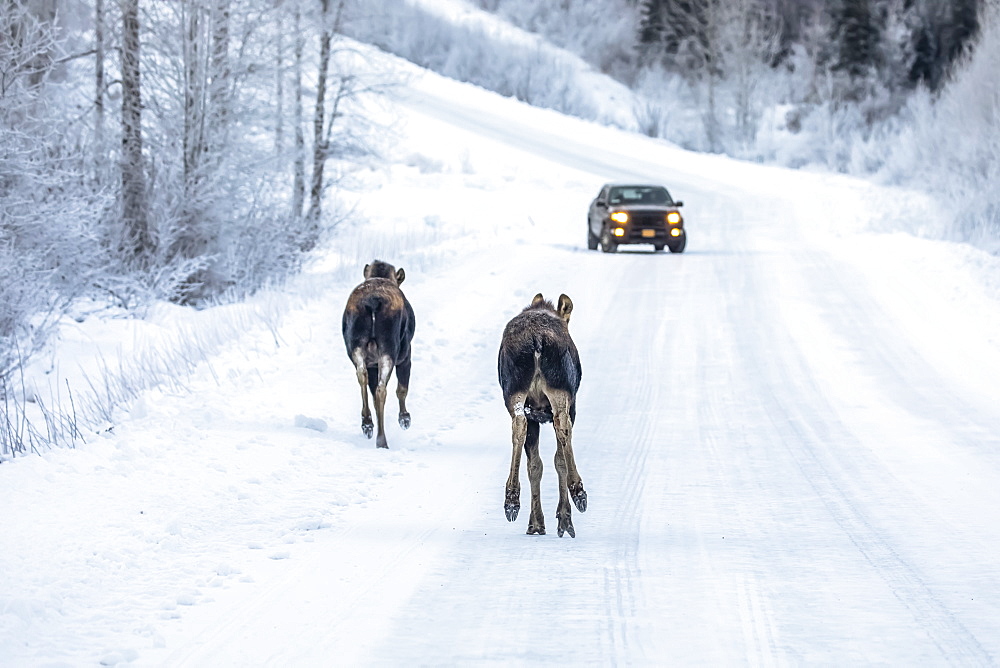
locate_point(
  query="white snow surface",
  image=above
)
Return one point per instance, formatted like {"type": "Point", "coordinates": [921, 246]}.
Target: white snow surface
{"type": "Point", "coordinates": [789, 435]}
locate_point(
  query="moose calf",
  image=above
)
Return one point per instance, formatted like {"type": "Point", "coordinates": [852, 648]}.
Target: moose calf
{"type": "Point", "coordinates": [539, 369]}
{"type": "Point", "coordinates": [378, 327]}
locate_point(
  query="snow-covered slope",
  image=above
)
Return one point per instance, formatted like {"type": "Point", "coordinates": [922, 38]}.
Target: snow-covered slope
{"type": "Point", "coordinates": [458, 39]}
{"type": "Point", "coordinates": [789, 435]}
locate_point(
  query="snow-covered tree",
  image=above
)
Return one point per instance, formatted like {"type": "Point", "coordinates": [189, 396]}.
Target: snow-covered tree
{"type": "Point", "coordinates": [137, 243]}
{"type": "Point", "coordinates": [724, 50]}
{"type": "Point", "coordinates": [678, 33]}
{"type": "Point", "coordinates": [298, 118]}
{"type": "Point", "coordinates": [49, 235]}
{"type": "Point", "coordinates": [942, 32]}
{"type": "Point", "coordinates": [329, 24]}
{"type": "Point", "coordinates": [952, 144]}
{"type": "Point", "coordinates": [856, 36]}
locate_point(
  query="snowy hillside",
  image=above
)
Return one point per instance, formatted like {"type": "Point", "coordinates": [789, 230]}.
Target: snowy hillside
{"type": "Point", "coordinates": [789, 435]}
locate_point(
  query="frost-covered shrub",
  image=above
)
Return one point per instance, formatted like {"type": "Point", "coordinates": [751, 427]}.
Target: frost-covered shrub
{"type": "Point", "coordinates": [951, 146]}
{"type": "Point", "coordinates": [666, 108]}
{"type": "Point", "coordinates": [51, 246]}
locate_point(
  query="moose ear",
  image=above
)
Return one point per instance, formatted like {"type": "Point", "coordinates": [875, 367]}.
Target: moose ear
{"type": "Point", "coordinates": [367, 268]}
{"type": "Point", "coordinates": [400, 275]}
{"type": "Point", "coordinates": [565, 307]}
{"type": "Point", "coordinates": [538, 299]}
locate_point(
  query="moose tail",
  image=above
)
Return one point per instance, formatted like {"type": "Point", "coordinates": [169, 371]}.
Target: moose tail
{"type": "Point", "coordinates": [372, 305]}
{"type": "Point", "coordinates": [537, 344]}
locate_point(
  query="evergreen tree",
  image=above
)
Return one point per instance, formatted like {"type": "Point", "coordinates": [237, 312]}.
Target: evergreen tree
{"type": "Point", "coordinates": [961, 29]}
{"type": "Point", "coordinates": [677, 32]}
{"type": "Point", "coordinates": [945, 32]}
{"type": "Point", "coordinates": [856, 36]}
{"type": "Point", "coordinates": [651, 27]}
{"type": "Point", "coordinates": [926, 58]}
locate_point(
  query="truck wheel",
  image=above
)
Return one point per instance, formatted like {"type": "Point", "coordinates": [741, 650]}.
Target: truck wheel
{"type": "Point", "coordinates": [592, 241]}
{"type": "Point", "coordinates": [607, 245]}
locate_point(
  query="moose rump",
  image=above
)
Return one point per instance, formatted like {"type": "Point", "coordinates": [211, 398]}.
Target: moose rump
{"type": "Point", "coordinates": [539, 371]}
{"type": "Point", "coordinates": [378, 326]}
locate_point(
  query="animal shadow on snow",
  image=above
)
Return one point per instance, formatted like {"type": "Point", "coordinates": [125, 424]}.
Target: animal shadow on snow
{"type": "Point", "coordinates": [378, 327]}
{"type": "Point", "coordinates": [539, 371]}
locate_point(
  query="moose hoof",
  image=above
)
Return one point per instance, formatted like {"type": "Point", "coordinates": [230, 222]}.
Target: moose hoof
{"type": "Point", "coordinates": [536, 530]}
{"type": "Point", "coordinates": [512, 504]}
{"type": "Point", "coordinates": [367, 427]}
{"type": "Point", "coordinates": [566, 526]}
{"type": "Point", "coordinates": [404, 420]}
{"type": "Point", "coordinates": [579, 498]}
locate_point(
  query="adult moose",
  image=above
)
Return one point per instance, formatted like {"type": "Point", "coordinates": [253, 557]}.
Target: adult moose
{"type": "Point", "coordinates": [378, 327]}
{"type": "Point", "coordinates": [539, 369]}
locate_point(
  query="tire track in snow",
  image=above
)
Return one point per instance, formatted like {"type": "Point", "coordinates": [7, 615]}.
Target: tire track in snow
{"type": "Point", "coordinates": [955, 642]}
{"type": "Point", "coordinates": [925, 395]}
{"type": "Point", "coordinates": [758, 627]}
{"type": "Point", "coordinates": [621, 578]}
{"type": "Point", "coordinates": [719, 408]}
{"type": "Point", "coordinates": [807, 425]}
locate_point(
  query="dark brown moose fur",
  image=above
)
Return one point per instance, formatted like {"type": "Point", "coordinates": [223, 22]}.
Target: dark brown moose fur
{"type": "Point", "coordinates": [539, 369]}
{"type": "Point", "coordinates": [378, 327]}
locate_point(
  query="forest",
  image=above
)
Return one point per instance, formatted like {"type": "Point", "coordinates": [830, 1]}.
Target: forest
{"type": "Point", "coordinates": [900, 91]}
{"type": "Point", "coordinates": [175, 151]}
{"type": "Point", "coordinates": [193, 150]}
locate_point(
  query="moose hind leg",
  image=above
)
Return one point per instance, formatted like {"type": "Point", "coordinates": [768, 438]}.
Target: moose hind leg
{"type": "Point", "coordinates": [569, 478]}
{"type": "Point", "coordinates": [358, 357]}
{"type": "Point", "coordinates": [536, 522]}
{"type": "Point", "coordinates": [384, 371]}
{"type": "Point", "coordinates": [574, 484]}
{"type": "Point", "coordinates": [564, 512]}
{"type": "Point", "coordinates": [402, 388]}
{"type": "Point", "coordinates": [519, 431]}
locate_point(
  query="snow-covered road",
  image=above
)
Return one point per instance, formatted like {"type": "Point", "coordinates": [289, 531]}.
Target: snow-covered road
{"type": "Point", "coordinates": [789, 435]}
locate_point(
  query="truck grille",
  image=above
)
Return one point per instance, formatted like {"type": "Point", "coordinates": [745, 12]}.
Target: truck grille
{"type": "Point", "coordinates": [648, 220]}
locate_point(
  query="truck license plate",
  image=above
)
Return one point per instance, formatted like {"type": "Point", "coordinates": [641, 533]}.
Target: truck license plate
{"type": "Point", "coordinates": [649, 233]}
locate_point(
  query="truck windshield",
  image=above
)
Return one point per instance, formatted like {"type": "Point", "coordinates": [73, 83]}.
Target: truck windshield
{"type": "Point", "coordinates": [639, 195]}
